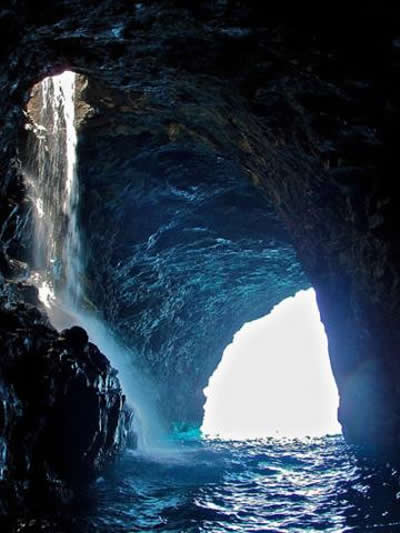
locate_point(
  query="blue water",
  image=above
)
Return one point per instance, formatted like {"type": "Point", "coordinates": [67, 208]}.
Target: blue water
{"type": "Point", "coordinates": [230, 486]}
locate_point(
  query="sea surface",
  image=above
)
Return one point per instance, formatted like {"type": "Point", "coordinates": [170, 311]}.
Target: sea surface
{"type": "Point", "coordinates": [215, 486]}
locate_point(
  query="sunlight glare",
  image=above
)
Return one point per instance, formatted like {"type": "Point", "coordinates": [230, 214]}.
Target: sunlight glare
{"type": "Point", "coordinates": [275, 378]}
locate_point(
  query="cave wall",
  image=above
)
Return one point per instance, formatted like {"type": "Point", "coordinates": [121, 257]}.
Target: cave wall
{"type": "Point", "coordinates": [190, 249]}
{"type": "Point", "coordinates": [311, 97]}
{"type": "Point", "coordinates": [63, 415]}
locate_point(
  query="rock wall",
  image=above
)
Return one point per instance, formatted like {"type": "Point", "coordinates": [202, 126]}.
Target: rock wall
{"type": "Point", "coordinates": [190, 249]}
{"type": "Point", "coordinates": [298, 103]}
{"type": "Point", "coordinates": [63, 415]}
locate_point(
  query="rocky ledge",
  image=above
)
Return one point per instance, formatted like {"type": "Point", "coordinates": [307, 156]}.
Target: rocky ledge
{"type": "Point", "coordinates": [63, 416]}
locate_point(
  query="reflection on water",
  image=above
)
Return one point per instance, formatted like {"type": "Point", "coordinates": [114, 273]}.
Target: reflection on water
{"type": "Point", "coordinates": [224, 486]}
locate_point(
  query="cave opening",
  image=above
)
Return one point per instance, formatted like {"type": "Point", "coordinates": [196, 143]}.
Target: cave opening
{"type": "Point", "coordinates": [275, 379]}
{"type": "Point", "coordinates": [186, 221]}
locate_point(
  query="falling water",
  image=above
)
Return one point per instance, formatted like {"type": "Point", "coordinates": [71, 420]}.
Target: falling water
{"type": "Point", "coordinates": [55, 195]}
{"type": "Point", "coordinates": [57, 250]}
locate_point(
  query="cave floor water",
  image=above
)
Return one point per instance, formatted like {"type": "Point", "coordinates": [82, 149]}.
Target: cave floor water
{"type": "Point", "coordinates": [235, 486]}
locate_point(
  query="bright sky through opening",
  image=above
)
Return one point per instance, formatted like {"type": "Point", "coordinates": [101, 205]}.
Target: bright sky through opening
{"type": "Point", "coordinates": [275, 378]}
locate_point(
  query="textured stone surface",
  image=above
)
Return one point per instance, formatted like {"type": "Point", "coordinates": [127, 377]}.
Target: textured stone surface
{"type": "Point", "coordinates": [62, 412]}
{"type": "Point", "coordinates": [299, 103]}
{"type": "Point", "coordinates": [190, 250]}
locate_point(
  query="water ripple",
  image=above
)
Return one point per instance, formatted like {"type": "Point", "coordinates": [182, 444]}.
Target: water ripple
{"type": "Point", "coordinates": [256, 486]}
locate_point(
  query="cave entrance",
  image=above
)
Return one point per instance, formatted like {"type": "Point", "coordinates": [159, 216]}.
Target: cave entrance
{"type": "Point", "coordinates": [275, 378]}
{"type": "Point", "coordinates": [191, 249]}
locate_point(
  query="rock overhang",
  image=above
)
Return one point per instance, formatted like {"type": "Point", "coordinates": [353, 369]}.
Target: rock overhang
{"type": "Point", "coordinates": [191, 249]}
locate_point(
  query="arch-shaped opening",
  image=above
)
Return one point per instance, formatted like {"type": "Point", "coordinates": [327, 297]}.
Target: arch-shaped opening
{"type": "Point", "coordinates": [190, 249]}
{"type": "Point", "coordinates": [187, 226]}
{"type": "Point", "coordinates": [275, 378]}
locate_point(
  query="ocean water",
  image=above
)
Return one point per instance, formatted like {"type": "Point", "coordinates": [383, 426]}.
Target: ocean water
{"type": "Point", "coordinates": [215, 486]}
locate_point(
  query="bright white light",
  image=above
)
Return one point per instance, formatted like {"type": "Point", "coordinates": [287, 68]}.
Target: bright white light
{"type": "Point", "coordinates": [275, 378]}
{"type": "Point", "coordinates": [46, 294]}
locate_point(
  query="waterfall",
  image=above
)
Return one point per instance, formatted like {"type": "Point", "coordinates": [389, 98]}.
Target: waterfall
{"type": "Point", "coordinates": [52, 182]}
{"type": "Point", "coordinates": [54, 194]}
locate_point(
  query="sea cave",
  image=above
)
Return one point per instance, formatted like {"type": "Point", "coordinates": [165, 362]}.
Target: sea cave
{"type": "Point", "coordinates": [170, 173]}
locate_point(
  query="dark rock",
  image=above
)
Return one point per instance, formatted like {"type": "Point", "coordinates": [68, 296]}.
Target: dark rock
{"type": "Point", "coordinates": [63, 416]}
{"type": "Point", "coordinates": [76, 336]}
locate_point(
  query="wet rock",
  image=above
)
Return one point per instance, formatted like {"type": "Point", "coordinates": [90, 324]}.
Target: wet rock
{"type": "Point", "coordinates": [76, 336]}
{"type": "Point", "coordinates": [63, 416]}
